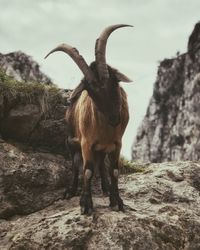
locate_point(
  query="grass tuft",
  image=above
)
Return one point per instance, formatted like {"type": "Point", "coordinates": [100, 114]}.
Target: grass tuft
{"type": "Point", "coordinates": [128, 167]}
{"type": "Point", "coordinates": [13, 93]}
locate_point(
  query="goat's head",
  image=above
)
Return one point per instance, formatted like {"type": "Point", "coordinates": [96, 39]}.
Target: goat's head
{"type": "Point", "coordinates": [100, 80]}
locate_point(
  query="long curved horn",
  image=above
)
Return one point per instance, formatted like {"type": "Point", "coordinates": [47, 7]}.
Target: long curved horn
{"type": "Point", "coordinates": [100, 50]}
{"type": "Point", "coordinates": [78, 59]}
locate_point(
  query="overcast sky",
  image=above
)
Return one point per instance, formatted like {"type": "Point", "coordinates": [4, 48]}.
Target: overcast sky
{"type": "Point", "coordinates": [161, 28]}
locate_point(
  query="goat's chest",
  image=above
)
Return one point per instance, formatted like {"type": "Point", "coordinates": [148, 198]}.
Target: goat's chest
{"type": "Point", "coordinates": [102, 136]}
{"type": "Point", "coordinates": [93, 128]}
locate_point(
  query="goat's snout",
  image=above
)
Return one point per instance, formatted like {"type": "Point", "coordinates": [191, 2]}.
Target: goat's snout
{"type": "Point", "coordinates": [114, 120]}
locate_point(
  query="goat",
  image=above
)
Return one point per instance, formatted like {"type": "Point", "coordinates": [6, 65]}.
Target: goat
{"type": "Point", "coordinates": [97, 118]}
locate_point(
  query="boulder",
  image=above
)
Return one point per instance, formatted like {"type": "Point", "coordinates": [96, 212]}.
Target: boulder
{"type": "Point", "coordinates": [29, 180]}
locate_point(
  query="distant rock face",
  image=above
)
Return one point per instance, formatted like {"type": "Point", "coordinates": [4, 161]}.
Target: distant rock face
{"type": "Point", "coordinates": [171, 128]}
{"type": "Point", "coordinates": [22, 68]}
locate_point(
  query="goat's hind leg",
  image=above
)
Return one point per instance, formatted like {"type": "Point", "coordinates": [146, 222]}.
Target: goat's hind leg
{"type": "Point", "coordinates": [77, 164]}
{"type": "Point", "coordinates": [116, 203]}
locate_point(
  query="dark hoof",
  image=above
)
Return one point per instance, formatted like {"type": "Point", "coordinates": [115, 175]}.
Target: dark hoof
{"type": "Point", "coordinates": [86, 211]}
{"type": "Point", "coordinates": [116, 204]}
{"type": "Point", "coordinates": [86, 204]}
{"type": "Point", "coordinates": [106, 189]}
{"type": "Point", "coordinates": [106, 193]}
{"type": "Point", "coordinates": [117, 208]}
{"type": "Point", "coordinates": [69, 195]}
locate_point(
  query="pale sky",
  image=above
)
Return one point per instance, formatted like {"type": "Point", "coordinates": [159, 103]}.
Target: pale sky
{"type": "Point", "coordinates": [161, 28]}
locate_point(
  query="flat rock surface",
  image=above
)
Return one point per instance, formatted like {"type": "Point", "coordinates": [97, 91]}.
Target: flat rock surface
{"type": "Point", "coordinates": [162, 211]}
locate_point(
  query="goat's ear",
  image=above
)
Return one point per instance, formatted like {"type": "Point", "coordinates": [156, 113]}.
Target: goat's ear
{"type": "Point", "coordinates": [77, 91]}
{"type": "Point", "coordinates": [118, 75]}
{"type": "Point", "coordinates": [121, 77]}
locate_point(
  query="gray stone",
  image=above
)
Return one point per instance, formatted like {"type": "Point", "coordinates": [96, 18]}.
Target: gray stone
{"type": "Point", "coordinates": [30, 181]}
{"type": "Point", "coordinates": [170, 130]}
{"type": "Point", "coordinates": [161, 212]}
{"type": "Point", "coordinates": [22, 67]}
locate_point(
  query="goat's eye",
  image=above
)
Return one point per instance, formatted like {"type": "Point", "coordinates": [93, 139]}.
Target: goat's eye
{"type": "Point", "coordinates": [103, 87]}
{"type": "Point", "coordinates": [97, 90]}
{"type": "Point", "coordinates": [93, 88]}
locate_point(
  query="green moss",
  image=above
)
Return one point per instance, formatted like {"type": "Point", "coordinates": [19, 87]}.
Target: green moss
{"type": "Point", "coordinates": [128, 167]}
{"type": "Point", "coordinates": [9, 86]}
{"type": "Point", "coordinates": [13, 92]}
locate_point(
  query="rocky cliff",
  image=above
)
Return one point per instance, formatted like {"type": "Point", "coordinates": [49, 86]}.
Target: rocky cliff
{"type": "Point", "coordinates": [33, 113]}
{"type": "Point", "coordinates": [31, 108]}
{"type": "Point", "coordinates": [171, 127]}
{"type": "Point", "coordinates": [22, 67]}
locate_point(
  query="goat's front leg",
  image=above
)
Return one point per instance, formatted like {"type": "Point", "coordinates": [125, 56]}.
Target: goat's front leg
{"type": "Point", "coordinates": [86, 203]}
{"type": "Point", "coordinates": [116, 203]}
